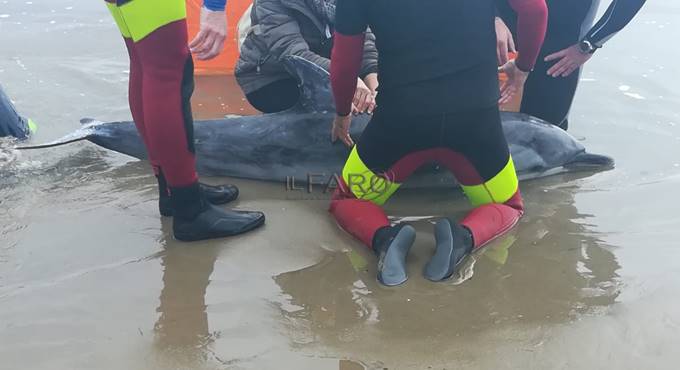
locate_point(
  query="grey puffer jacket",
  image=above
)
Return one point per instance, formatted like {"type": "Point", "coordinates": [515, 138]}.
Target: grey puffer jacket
{"type": "Point", "coordinates": [289, 27]}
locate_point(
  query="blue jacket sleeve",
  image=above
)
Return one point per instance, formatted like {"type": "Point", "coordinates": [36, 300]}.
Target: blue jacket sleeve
{"type": "Point", "coordinates": [215, 5]}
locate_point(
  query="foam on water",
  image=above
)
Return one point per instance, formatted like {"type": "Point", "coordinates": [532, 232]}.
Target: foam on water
{"type": "Point", "coordinates": [11, 159]}
{"type": "Point", "coordinates": [7, 153]}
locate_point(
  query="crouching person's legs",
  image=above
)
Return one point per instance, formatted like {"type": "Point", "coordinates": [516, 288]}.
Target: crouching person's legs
{"type": "Point", "coordinates": [486, 172]}
{"type": "Point", "coordinates": [356, 206]}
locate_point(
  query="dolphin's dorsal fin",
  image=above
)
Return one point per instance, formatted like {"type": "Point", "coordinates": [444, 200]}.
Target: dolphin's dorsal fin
{"type": "Point", "coordinates": [314, 82]}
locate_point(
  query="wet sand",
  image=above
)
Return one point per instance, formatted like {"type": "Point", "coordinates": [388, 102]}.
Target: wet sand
{"type": "Point", "coordinates": [90, 277]}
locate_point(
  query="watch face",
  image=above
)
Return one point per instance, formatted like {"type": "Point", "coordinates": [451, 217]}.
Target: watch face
{"type": "Point", "coordinates": [585, 47]}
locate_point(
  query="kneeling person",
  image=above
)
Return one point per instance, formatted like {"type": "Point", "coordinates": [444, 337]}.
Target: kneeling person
{"type": "Point", "coordinates": [439, 60]}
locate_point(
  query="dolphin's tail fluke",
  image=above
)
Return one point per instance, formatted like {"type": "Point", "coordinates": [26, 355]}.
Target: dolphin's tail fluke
{"type": "Point", "coordinates": [11, 122]}
{"type": "Point", "coordinates": [589, 161]}
{"type": "Point", "coordinates": [88, 130]}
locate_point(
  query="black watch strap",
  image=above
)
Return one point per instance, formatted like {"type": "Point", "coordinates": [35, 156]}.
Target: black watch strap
{"type": "Point", "coordinates": [587, 47]}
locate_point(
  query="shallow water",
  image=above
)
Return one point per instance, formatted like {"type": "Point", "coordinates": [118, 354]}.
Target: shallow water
{"type": "Point", "coordinates": [90, 277]}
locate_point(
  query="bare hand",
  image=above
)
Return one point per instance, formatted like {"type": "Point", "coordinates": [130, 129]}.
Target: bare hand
{"type": "Point", "coordinates": [514, 83]}
{"type": "Point", "coordinates": [570, 59]}
{"type": "Point", "coordinates": [210, 39]}
{"type": "Point", "coordinates": [504, 42]}
{"type": "Point", "coordinates": [371, 81]}
{"type": "Point", "coordinates": [364, 99]}
{"type": "Point", "coordinates": [340, 130]}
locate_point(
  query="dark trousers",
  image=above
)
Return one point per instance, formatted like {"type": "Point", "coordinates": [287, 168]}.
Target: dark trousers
{"type": "Point", "coordinates": [275, 97]}
{"type": "Point", "coordinates": [546, 97]}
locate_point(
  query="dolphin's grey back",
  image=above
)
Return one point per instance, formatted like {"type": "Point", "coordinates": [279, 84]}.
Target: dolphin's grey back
{"type": "Point", "coordinates": [296, 143]}
{"type": "Point", "coordinates": [271, 147]}
{"type": "Point", "coordinates": [537, 145]}
{"type": "Point", "coordinates": [274, 147]}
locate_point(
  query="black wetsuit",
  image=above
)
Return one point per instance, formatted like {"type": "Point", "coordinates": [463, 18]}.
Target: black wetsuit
{"type": "Point", "coordinates": [437, 102]}
{"type": "Point", "coordinates": [569, 22]}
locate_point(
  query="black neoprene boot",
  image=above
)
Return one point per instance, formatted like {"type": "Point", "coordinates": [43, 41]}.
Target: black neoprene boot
{"type": "Point", "coordinates": [454, 243]}
{"type": "Point", "coordinates": [391, 244]}
{"type": "Point", "coordinates": [196, 219]}
{"type": "Point", "coordinates": [219, 194]}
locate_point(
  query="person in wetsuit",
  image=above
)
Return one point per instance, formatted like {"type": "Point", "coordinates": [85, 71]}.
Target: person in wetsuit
{"type": "Point", "coordinates": [437, 102]}
{"type": "Point", "coordinates": [161, 85]}
{"type": "Point", "coordinates": [570, 42]}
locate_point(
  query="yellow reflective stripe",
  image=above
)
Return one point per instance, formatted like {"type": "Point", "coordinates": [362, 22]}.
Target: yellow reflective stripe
{"type": "Point", "coordinates": [32, 126]}
{"type": "Point", "coordinates": [499, 253]}
{"type": "Point", "coordinates": [357, 260]}
{"type": "Point", "coordinates": [365, 184]}
{"type": "Point", "coordinates": [497, 190]}
{"type": "Point", "coordinates": [118, 17]}
{"type": "Point", "coordinates": [141, 17]}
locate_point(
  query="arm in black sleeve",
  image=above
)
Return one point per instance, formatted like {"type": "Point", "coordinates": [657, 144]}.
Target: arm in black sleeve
{"type": "Point", "coordinates": [617, 16]}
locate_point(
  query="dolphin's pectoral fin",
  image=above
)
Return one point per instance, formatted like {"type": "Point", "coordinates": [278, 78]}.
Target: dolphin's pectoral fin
{"type": "Point", "coordinates": [86, 131]}
{"type": "Point", "coordinates": [314, 82]}
{"type": "Point", "coordinates": [588, 161]}
{"type": "Point", "coordinates": [81, 134]}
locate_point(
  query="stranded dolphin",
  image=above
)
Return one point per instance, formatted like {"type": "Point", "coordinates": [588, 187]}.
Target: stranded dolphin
{"type": "Point", "coordinates": [11, 123]}
{"type": "Point", "coordinates": [296, 142]}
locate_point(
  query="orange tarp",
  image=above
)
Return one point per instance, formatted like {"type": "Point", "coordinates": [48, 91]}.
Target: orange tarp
{"type": "Point", "coordinates": [224, 64]}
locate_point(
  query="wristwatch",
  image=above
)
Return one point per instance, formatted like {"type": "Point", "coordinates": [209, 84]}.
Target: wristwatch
{"type": "Point", "coordinates": [586, 47]}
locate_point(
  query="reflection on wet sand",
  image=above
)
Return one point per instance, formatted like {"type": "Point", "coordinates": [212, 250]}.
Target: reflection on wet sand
{"type": "Point", "coordinates": [183, 339]}
{"type": "Point", "coordinates": [549, 270]}
{"type": "Point", "coordinates": [182, 335]}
